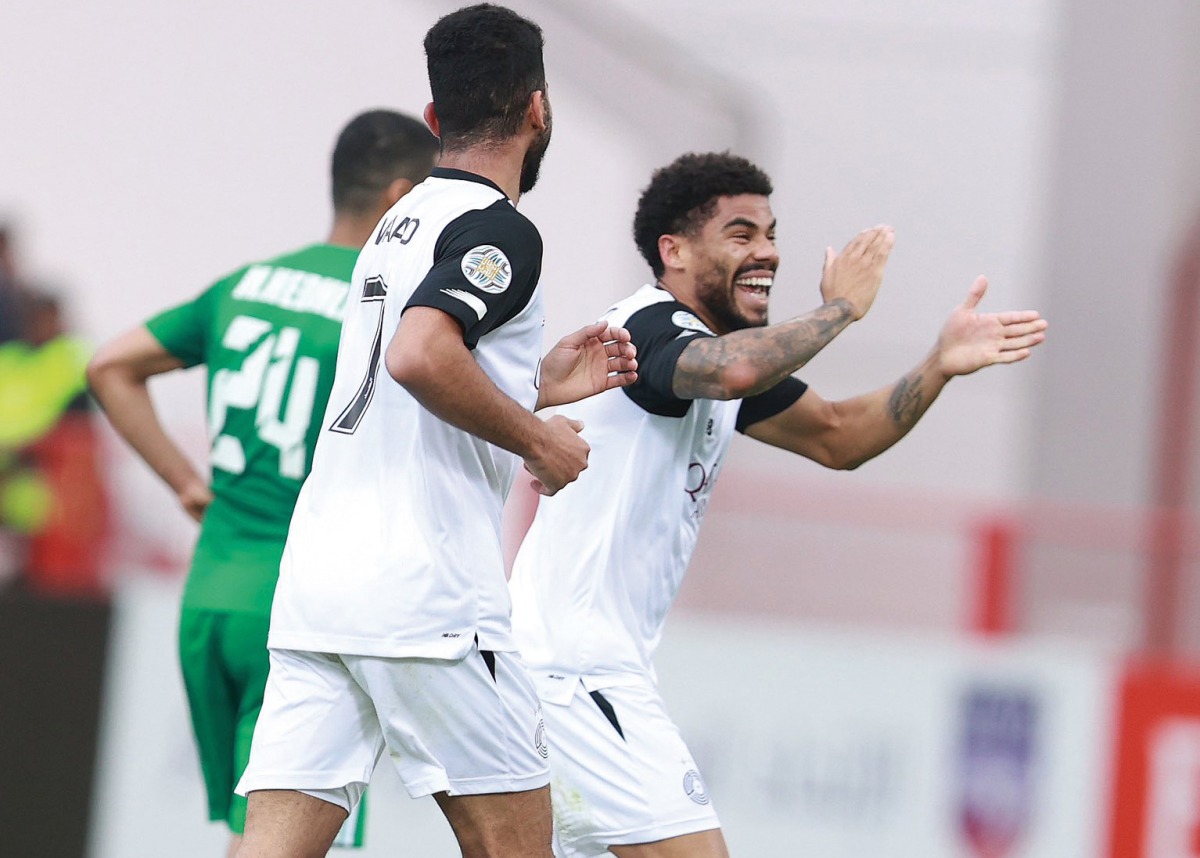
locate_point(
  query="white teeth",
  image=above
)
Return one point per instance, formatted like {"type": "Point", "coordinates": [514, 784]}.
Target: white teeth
{"type": "Point", "coordinates": [757, 282]}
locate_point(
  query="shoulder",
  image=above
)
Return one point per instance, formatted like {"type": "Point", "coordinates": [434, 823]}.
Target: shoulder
{"type": "Point", "coordinates": [498, 224]}
{"type": "Point", "coordinates": [654, 314]}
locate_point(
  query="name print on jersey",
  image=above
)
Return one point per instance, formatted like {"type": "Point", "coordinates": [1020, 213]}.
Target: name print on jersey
{"type": "Point", "coordinates": [399, 229]}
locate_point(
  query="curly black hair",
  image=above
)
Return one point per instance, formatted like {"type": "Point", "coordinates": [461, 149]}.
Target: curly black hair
{"type": "Point", "coordinates": [682, 196]}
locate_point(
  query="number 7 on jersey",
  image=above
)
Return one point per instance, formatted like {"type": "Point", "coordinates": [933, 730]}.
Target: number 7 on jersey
{"type": "Point", "coordinates": [374, 290]}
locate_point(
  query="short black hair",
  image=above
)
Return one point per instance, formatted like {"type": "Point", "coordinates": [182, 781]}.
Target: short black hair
{"type": "Point", "coordinates": [375, 149]}
{"type": "Point", "coordinates": [682, 196]}
{"type": "Point", "coordinates": [485, 62]}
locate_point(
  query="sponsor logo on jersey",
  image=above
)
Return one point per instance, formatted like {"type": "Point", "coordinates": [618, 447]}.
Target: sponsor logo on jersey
{"type": "Point", "coordinates": [693, 785]}
{"type": "Point", "coordinates": [684, 319]}
{"type": "Point", "coordinates": [539, 737]}
{"type": "Point", "coordinates": [488, 268]}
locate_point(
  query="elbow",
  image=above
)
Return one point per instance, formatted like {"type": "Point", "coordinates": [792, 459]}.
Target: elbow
{"type": "Point", "coordinates": [837, 451]}
{"type": "Point", "coordinates": [405, 364]}
{"type": "Point", "coordinates": [739, 380]}
{"type": "Point", "coordinates": [100, 370]}
{"type": "Point", "coordinates": [848, 464]}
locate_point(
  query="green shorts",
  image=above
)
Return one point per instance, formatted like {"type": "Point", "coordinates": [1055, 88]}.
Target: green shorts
{"type": "Point", "coordinates": [223, 655]}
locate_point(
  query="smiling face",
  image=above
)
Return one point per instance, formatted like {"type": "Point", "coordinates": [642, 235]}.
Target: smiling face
{"type": "Point", "coordinates": [729, 263]}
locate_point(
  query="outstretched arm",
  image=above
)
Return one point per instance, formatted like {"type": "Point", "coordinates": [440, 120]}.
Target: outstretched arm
{"type": "Point", "coordinates": [117, 376]}
{"type": "Point", "coordinates": [845, 434]}
{"type": "Point", "coordinates": [746, 362]}
{"type": "Point", "coordinates": [596, 358]}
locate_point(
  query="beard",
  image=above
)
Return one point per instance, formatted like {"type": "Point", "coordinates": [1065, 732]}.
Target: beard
{"type": "Point", "coordinates": [716, 290]}
{"type": "Point", "coordinates": [532, 165]}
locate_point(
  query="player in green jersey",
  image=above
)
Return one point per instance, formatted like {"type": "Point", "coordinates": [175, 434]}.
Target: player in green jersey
{"type": "Point", "coordinates": [268, 334]}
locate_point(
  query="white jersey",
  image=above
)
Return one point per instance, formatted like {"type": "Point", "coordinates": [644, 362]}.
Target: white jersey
{"type": "Point", "coordinates": [604, 558]}
{"type": "Point", "coordinates": [394, 547]}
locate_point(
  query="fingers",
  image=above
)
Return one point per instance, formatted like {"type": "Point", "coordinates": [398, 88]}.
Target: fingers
{"type": "Point", "coordinates": [871, 242]}
{"type": "Point", "coordinates": [975, 293]}
{"type": "Point", "coordinates": [1013, 356]}
{"type": "Point", "coordinates": [580, 337]}
{"type": "Point", "coordinates": [1026, 342]}
{"type": "Point", "coordinates": [1020, 329]}
{"type": "Point", "coordinates": [830, 256]}
{"type": "Point", "coordinates": [577, 425]}
{"type": "Point", "coordinates": [1013, 317]}
{"type": "Point", "coordinates": [622, 349]}
{"type": "Point", "coordinates": [620, 379]}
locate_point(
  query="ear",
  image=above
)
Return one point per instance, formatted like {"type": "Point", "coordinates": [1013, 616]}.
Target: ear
{"type": "Point", "coordinates": [537, 110]}
{"type": "Point", "coordinates": [674, 251]}
{"type": "Point", "coordinates": [394, 191]}
{"type": "Point", "coordinates": [432, 121]}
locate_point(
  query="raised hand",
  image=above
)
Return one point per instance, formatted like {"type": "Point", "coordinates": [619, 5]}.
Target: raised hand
{"type": "Point", "coordinates": [595, 358]}
{"type": "Point", "coordinates": [970, 340]}
{"type": "Point", "coordinates": [854, 275]}
{"type": "Point", "coordinates": [561, 457]}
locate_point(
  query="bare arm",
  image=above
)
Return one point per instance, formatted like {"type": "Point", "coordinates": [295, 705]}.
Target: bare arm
{"type": "Point", "coordinates": [746, 362]}
{"type": "Point", "coordinates": [845, 434]}
{"type": "Point", "coordinates": [750, 361]}
{"type": "Point", "coordinates": [428, 356]}
{"type": "Point", "coordinates": [117, 376]}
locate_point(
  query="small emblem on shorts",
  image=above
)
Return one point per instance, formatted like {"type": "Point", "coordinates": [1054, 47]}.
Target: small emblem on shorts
{"type": "Point", "coordinates": [684, 319]}
{"type": "Point", "coordinates": [693, 785]}
{"type": "Point", "coordinates": [487, 267]}
{"type": "Point", "coordinates": [539, 740]}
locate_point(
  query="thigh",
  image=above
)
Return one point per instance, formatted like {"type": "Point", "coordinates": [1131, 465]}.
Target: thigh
{"type": "Point", "coordinates": [621, 772]}
{"type": "Point", "coordinates": [317, 729]}
{"type": "Point", "coordinates": [500, 825]}
{"type": "Point", "coordinates": [214, 703]}
{"type": "Point", "coordinates": [247, 663]}
{"type": "Point", "coordinates": [283, 823]}
{"type": "Point", "coordinates": [703, 844]}
{"type": "Point", "coordinates": [467, 727]}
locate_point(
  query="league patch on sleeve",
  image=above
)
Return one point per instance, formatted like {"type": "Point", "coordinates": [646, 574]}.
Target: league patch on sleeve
{"type": "Point", "coordinates": [488, 268]}
{"type": "Point", "coordinates": [684, 319]}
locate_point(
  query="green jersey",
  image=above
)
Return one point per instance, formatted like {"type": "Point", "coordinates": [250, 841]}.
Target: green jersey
{"type": "Point", "coordinates": [269, 336]}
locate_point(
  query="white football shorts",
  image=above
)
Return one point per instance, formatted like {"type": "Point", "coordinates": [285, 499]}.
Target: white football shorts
{"type": "Point", "coordinates": [621, 773]}
{"type": "Point", "coordinates": [467, 727]}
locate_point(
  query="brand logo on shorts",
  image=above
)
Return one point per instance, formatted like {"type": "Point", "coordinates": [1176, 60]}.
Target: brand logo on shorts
{"type": "Point", "coordinates": [539, 740]}
{"type": "Point", "coordinates": [487, 267]}
{"type": "Point", "coordinates": [693, 785]}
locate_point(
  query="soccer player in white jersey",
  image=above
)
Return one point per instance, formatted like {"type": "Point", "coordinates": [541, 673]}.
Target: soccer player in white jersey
{"type": "Point", "coordinates": [602, 562]}
{"type": "Point", "coordinates": [390, 623]}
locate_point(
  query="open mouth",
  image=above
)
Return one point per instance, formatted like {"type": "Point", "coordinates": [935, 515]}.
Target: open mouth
{"type": "Point", "coordinates": [757, 286]}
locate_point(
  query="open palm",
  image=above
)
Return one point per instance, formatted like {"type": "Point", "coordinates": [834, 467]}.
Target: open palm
{"type": "Point", "coordinates": [970, 340]}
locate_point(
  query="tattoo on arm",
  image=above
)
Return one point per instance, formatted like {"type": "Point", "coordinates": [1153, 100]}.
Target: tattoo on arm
{"type": "Point", "coordinates": [773, 353]}
{"type": "Point", "coordinates": [904, 405]}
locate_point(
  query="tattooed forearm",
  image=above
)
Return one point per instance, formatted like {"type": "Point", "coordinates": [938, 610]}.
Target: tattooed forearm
{"type": "Point", "coordinates": [905, 404]}
{"type": "Point", "coordinates": [750, 361]}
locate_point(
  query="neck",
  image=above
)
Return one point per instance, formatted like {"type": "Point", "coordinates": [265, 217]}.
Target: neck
{"type": "Point", "coordinates": [499, 163]}
{"type": "Point", "coordinates": [352, 230]}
